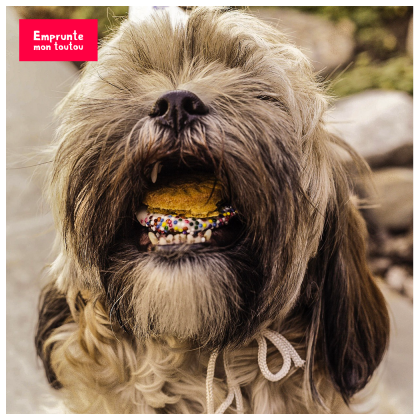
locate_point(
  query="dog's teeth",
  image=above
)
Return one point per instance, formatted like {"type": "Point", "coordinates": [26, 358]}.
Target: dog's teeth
{"type": "Point", "coordinates": [178, 238]}
{"type": "Point", "coordinates": [162, 241]}
{"type": "Point", "coordinates": [160, 168]}
{"type": "Point", "coordinates": [154, 173]}
{"type": "Point", "coordinates": [141, 215]}
{"type": "Point", "coordinates": [153, 238]}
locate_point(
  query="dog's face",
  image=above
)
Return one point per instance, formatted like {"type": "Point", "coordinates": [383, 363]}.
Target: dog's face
{"type": "Point", "coordinates": [223, 96]}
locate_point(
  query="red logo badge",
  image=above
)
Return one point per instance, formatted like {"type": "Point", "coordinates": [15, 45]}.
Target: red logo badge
{"type": "Point", "coordinates": [58, 40]}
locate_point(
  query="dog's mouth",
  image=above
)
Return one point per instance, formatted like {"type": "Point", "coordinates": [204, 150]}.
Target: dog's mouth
{"type": "Point", "coordinates": [188, 207]}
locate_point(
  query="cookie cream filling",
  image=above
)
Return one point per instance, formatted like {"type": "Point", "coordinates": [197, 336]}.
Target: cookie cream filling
{"type": "Point", "coordinates": [174, 229]}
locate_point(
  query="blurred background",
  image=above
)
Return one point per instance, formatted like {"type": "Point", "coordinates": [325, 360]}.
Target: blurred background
{"type": "Point", "coordinates": [364, 55]}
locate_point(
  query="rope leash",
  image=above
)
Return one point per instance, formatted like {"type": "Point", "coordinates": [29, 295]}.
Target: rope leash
{"type": "Point", "coordinates": [287, 351]}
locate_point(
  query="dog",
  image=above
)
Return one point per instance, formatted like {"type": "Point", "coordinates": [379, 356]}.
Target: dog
{"type": "Point", "coordinates": [270, 310]}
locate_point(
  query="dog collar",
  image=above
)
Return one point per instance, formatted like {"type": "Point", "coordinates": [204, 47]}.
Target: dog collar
{"type": "Point", "coordinates": [285, 348]}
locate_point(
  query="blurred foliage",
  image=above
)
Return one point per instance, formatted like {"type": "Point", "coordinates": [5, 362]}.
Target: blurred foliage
{"type": "Point", "coordinates": [380, 30]}
{"type": "Point", "coordinates": [380, 60]}
{"type": "Point", "coordinates": [393, 74]}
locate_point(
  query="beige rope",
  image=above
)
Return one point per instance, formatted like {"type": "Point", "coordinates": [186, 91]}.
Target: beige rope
{"type": "Point", "coordinates": [287, 351]}
{"type": "Point", "coordinates": [209, 382]}
{"type": "Point", "coordinates": [284, 347]}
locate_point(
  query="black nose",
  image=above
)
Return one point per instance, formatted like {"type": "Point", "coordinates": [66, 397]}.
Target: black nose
{"type": "Point", "coordinates": [177, 109]}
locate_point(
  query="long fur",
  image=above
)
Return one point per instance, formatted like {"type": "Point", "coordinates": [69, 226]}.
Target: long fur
{"type": "Point", "coordinates": [126, 330]}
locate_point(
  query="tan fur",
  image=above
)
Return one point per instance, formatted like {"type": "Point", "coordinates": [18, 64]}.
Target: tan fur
{"type": "Point", "coordinates": [105, 374]}
{"type": "Point", "coordinates": [265, 136]}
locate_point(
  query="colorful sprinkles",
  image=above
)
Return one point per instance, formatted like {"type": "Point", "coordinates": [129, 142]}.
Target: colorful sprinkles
{"type": "Point", "coordinates": [169, 224]}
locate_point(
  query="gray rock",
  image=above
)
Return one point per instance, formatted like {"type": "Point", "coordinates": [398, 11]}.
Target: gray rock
{"type": "Point", "coordinates": [399, 279]}
{"type": "Point", "coordinates": [395, 198]}
{"type": "Point", "coordinates": [400, 156]}
{"type": "Point", "coordinates": [328, 45]}
{"type": "Point", "coordinates": [399, 248]}
{"type": "Point", "coordinates": [395, 278]}
{"type": "Point", "coordinates": [373, 122]}
{"type": "Point", "coordinates": [380, 265]}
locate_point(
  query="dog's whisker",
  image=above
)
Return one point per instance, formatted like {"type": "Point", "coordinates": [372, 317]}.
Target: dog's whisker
{"type": "Point", "coordinates": [112, 309]}
{"type": "Point", "coordinates": [109, 83]}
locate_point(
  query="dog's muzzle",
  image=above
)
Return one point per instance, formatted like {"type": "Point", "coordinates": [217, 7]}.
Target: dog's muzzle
{"type": "Point", "coordinates": [165, 219]}
{"type": "Point", "coordinates": [178, 109]}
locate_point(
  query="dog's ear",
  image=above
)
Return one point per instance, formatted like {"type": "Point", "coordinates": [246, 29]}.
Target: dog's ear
{"type": "Point", "coordinates": [53, 312]}
{"type": "Point", "coordinates": [349, 323]}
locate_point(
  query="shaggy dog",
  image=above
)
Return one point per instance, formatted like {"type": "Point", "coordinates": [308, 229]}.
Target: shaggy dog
{"type": "Point", "coordinates": [131, 324]}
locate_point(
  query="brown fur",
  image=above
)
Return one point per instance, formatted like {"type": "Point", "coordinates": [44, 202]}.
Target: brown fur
{"type": "Point", "coordinates": [143, 324]}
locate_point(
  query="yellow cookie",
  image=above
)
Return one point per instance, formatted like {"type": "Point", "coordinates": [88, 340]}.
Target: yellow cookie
{"type": "Point", "coordinates": [188, 197]}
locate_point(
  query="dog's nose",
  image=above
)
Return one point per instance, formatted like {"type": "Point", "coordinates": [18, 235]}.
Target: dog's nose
{"type": "Point", "coordinates": [177, 109]}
